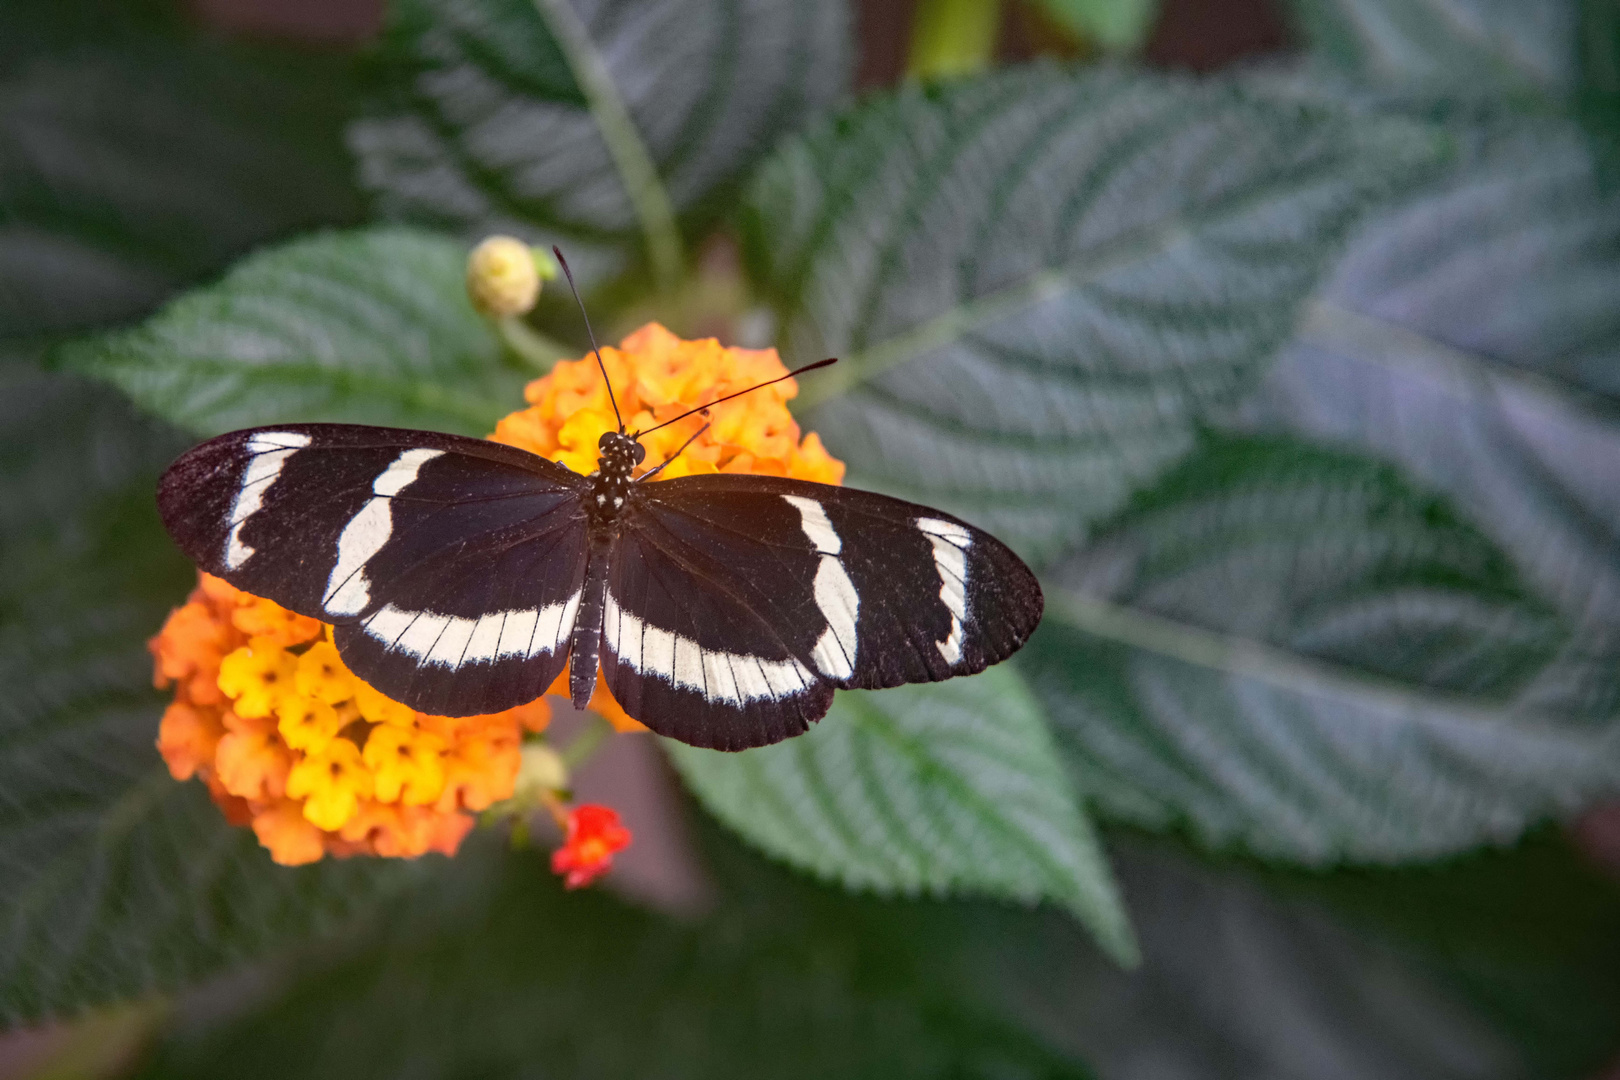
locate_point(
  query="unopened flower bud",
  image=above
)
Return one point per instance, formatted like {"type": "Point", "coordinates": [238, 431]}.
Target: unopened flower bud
{"type": "Point", "coordinates": [503, 277]}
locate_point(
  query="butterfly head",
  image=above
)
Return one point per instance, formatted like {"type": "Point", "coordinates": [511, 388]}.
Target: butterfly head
{"type": "Point", "coordinates": [620, 453]}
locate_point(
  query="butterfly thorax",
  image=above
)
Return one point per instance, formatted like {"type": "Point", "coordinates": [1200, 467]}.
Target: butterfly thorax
{"type": "Point", "coordinates": [610, 487]}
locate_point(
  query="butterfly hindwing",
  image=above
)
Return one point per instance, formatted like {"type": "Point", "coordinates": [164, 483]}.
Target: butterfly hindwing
{"type": "Point", "coordinates": [736, 603]}
{"type": "Point", "coordinates": [451, 567]}
{"type": "Point", "coordinates": [706, 620]}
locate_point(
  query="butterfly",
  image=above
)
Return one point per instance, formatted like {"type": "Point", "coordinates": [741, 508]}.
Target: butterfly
{"type": "Point", "coordinates": [723, 610]}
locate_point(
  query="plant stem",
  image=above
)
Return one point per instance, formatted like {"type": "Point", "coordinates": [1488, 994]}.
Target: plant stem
{"type": "Point", "coordinates": [586, 743]}
{"type": "Point", "coordinates": [534, 348]}
{"type": "Point", "coordinates": [624, 142]}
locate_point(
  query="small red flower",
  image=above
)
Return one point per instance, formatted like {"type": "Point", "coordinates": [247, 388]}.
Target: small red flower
{"type": "Point", "coordinates": [594, 834]}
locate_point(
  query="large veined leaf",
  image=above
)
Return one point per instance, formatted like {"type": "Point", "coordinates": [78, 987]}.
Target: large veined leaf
{"type": "Point", "coordinates": [1291, 651]}
{"type": "Point", "coordinates": [594, 122]}
{"type": "Point", "coordinates": [1499, 967]}
{"type": "Point", "coordinates": [1503, 46]}
{"type": "Point", "coordinates": [947, 789]}
{"type": "Point", "coordinates": [509, 976]}
{"type": "Point", "coordinates": [1038, 281]}
{"type": "Point", "coordinates": [119, 881]}
{"type": "Point", "coordinates": [135, 159]}
{"type": "Point", "coordinates": [370, 326]}
{"type": "Point", "coordinates": [1471, 335]}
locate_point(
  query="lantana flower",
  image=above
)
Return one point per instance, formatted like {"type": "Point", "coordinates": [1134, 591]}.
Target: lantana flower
{"type": "Point", "coordinates": [290, 741]}
{"type": "Point", "coordinates": [594, 834]}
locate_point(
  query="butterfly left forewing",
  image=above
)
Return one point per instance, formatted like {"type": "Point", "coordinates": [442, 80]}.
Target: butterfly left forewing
{"type": "Point", "coordinates": [449, 566]}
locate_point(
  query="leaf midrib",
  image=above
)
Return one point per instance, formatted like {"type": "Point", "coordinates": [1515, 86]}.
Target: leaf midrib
{"type": "Point", "coordinates": [1085, 267]}
{"type": "Point", "coordinates": [1329, 325]}
{"type": "Point", "coordinates": [1248, 658]}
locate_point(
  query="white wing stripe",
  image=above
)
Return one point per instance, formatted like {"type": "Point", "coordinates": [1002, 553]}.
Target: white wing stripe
{"type": "Point", "coordinates": [950, 542]}
{"type": "Point", "coordinates": [715, 674]}
{"type": "Point", "coordinates": [813, 520]}
{"type": "Point", "coordinates": [834, 653]}
{"type": "Point", "coordinates": [347, 590]}
{"type": "Point", "coordinates": [270, 451]}
{"type": "Point", "coordinates": [453, 642]}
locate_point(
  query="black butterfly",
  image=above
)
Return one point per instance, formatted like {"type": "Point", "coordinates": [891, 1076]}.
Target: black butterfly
{"type": "Point", "coordinates": [461, 575]}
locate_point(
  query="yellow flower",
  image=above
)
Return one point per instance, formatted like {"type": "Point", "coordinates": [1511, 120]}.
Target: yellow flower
{"type": "Point", "coordinates": [323, 675]}
{"type": "Point", "coordinates": [260, 618]}
{"type": "Point", "coordinates": [380, 709]}
{"type": "Point", "coordinates": [307, 723]}
{"type": "Point", "coordinates": [331, 783]}
{"type": "Point", "coordinates": [408, 765]}
{"type": "Point", "coordinates": [257, 677]}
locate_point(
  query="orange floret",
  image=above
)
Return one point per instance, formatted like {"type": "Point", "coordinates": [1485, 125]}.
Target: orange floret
{"type": "Point", "coordinates": [289, 836]}
{"type": "Point", "coordinates": [252, 762]}
{"type": "Point", "coordinates": [187, 738]}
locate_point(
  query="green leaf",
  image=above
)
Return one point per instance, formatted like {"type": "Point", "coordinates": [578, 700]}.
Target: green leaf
{"type": "Point", "coordinates": [1481, 305]}
{"type": "Point", "coordinates": [1120, 25]}
{"type": "Point", "coordinates": [1470, 335]}
{"type": "Point", "coordinates": [1495, 46]}
{"type": "Point", "coordinates": [1290, 651]}
{"type": "Point", "coordinates": [492, 121]}
{"type": "Point", "coordinates": [503, 974]}
{"type": "Point", "coordinates": [371, 326]}
{"type": "Point", "coordinates": [945, 790]}
{"type": "Point", "coordinates": [135, 159]}
{"type": "Point", "coordinates": [1499, 967]}
{"type": "Point", "coordinates": [1038, 281]}
{"type": "Point", "coordinates": [119, 881]}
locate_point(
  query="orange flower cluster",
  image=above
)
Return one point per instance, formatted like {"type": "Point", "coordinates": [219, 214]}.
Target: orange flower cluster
{"type": "Point", "coordinates": [287, 739]}
{"type": "Point", "coordinates": [657, 376]}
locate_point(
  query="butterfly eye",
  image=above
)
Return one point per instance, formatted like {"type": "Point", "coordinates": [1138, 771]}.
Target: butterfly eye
{"type": "Point", "coordinates": [640, 452]}
{"type": "Point", "coordinates": [602, 443]}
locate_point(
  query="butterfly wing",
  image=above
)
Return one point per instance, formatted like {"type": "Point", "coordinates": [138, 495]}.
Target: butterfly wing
{"type": "Point", "coordinates": [451, 567]}
{"type": "Point", "coordinates": [736, 604]}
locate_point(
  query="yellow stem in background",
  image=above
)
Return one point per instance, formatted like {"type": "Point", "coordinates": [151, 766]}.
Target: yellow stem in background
{"type": "Point", "coordinates": [953, 37]}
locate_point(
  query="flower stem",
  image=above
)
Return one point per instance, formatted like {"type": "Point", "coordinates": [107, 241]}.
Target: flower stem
{"type": "Point", "coordinates": [624, 143]}
{"type": "Point", "coordinates": [531, 346]}
{"type": "Point", "coordinates": [586, 743]}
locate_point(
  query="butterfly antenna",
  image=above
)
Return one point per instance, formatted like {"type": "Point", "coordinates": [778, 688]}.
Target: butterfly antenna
{"type": "Point", "coordinates": [569, 274]}
{"type": "Point", "coordinates": [654, 472]}
{"type": "Point", "coordinates": [757, 386]}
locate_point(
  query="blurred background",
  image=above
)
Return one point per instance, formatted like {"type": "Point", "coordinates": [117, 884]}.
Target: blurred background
{"type": "Point", "coordinates": [1282, 337]}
